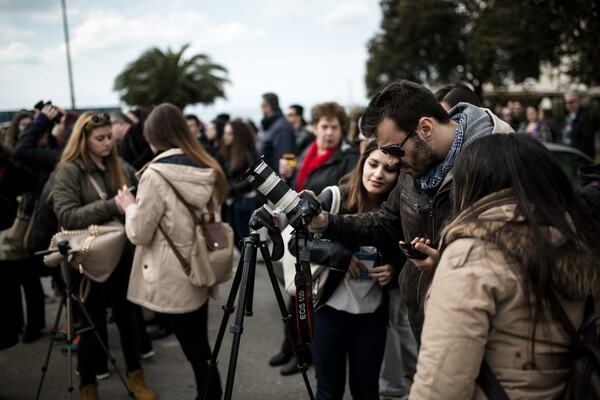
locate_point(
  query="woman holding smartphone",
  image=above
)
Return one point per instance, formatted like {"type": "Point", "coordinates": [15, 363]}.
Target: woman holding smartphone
{"type": "Point", "coordinates": [351, 316]}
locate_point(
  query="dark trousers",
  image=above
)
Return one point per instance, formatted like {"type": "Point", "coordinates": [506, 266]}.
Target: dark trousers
{"type": "Point", "coordinates": [29, 278]}
{"type": "Point", "coordinates": [10, 298]}
{"type": "Point", "coordinates": [191, 330]}
{"type": "Point", "coordinates": [358, 338]}
{"type": "Point", "coordinates": [238, 215]}
{"type": "Point", "coordinates": [113, 292]}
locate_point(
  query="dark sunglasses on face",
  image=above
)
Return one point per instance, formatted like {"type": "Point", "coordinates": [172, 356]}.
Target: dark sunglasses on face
{"type": "Point", "coordinates": [396, 150]}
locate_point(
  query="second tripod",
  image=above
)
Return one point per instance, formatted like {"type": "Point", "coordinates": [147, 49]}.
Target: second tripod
{"type": "Point", "coordinates": [243, 282]}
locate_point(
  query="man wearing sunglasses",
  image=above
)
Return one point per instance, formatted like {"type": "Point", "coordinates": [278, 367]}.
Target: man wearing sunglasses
{"type": "Point", "coordinates": [422, 140]}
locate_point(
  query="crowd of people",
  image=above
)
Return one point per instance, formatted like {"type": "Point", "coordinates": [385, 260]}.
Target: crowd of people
{"type": "Point", "coordinates": [494, 229]}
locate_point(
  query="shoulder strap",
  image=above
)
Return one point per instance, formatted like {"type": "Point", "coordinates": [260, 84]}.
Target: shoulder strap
{"type": "Point", "coordinates": [100, 192]}
{"type": "Point", "coordinates": [563, 318]}
{"type": "Point", "coordinates": [197, 220]}
{"type": "Point", "coordinates": [488, 382]}
{"type": "Point", "coordinates": [184, 264]}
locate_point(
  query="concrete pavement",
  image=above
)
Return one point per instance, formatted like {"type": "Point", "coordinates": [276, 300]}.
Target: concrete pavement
{"type": "Point", "coordinates": [168, 373]}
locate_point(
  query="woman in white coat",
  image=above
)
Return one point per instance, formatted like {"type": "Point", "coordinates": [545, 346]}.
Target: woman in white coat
{"type": "Point", "coordinates": [158, 281]}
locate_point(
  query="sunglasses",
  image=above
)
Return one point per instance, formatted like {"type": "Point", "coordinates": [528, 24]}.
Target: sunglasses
{"type": "Point", "coordinates": [396, 150]}
{"type": "Point", "coordinates": [100, 119]}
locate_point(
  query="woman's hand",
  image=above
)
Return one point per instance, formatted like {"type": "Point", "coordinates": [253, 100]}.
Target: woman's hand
{"type": "Point", "coordinates": [51, 111]}
{"type": "Point", "coordinates": [285, 170]}
{"type": "Point", "coordinates": [355, 268]}
{"type": "Point", "coordinates": [124, 199]}
{"type": "Point", "coordinates": [422, 245]}
{"type": "Point", "coordinates": [383, 274]}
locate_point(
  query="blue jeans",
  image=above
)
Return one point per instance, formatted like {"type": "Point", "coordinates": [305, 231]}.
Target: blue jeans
{"type": "Point", "coordinates": [239, 214]}
{"type": "Point", "coordinates": [359, 338]}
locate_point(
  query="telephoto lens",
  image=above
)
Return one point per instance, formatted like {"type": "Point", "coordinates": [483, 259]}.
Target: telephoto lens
{"type": "Point", "coordinates": [298, 209]}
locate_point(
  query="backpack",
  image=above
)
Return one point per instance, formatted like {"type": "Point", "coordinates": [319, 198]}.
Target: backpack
{"type": "Point", "coordinates": [211, 257]}
{"type": "Point", "coordinates": [583, 382]}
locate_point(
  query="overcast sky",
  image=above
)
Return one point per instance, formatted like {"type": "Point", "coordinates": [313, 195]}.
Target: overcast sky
{"type": "Point", "coordinates": [306, 51]}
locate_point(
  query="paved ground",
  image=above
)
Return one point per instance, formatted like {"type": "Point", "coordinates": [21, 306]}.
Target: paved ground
{"type": "Point", "coordinates": [168, 373]}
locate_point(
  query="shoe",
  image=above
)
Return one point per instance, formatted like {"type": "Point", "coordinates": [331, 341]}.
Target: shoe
{"type": "Point", "coordinates": [147, 355]}
{"type": "Point", "coordinates": [30, 336]}
{"type": "Point", "coordinates": [135, 381]}
{"type": "Point", "coordinates": [74, 346]}
{"type": "Point", "coordinates": [279, 359]}
{"type": "Point", "coordinates": [61, 334]}
{"type": "Point", "coordinates": [159, 332]}
{"type": "Point", "coordinates": [290, 368]}
{"type": "Point", "coordinates": [89, 392]}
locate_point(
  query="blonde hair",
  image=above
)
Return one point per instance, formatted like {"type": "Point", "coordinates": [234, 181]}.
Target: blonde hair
{"type": "Point", "coordinates": [76, 148]}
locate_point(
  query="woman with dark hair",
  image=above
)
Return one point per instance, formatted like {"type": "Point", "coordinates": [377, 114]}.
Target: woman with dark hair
{"type": "Point", "coordinates": [451, 95]}
{"type": "Point", "coordinates": [158, 281]}
{"type": "Point", "coordinates": [351, 314]}
{"type": "Point", "coordinates": [238, 149]}
{"type": "Point", "coordinates": [517, 240]}
{"type": "Point", "coordinates": [17, 126]}
{"type": "Point", "coordinates": [87, 178]}
{"type": "Point", "coordinates": [214, 133]}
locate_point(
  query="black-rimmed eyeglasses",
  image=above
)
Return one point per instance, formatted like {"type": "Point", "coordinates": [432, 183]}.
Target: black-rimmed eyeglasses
{"type": "Point", "coordinates": [396, 150]}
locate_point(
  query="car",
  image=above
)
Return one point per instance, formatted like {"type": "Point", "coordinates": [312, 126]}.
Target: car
{"type": "Point", "coordinates": [570, 158]}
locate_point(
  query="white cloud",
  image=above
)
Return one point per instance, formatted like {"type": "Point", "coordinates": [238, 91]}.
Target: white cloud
{"type": "Point", "coordinates": [349, 14]}
{"type": "Point", "coordinates": [16, 52]}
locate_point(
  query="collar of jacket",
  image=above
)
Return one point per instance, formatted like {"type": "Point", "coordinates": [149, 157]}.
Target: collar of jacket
{"type": "Point", "coordinates": [164, 154]}
{"type": "Point", "coordinates": [495, 219]}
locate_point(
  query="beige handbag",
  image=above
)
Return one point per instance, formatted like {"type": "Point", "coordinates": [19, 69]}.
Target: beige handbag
{"type": "Point", "coordinates": [13, 241]}
{"type": "Point", "coordinates": [94, 251]}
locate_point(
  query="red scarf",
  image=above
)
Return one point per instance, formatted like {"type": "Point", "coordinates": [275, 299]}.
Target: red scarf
{"type": "Point", "coordinates": [311, 162]}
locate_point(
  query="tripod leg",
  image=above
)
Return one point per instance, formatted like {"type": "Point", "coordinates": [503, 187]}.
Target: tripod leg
{"type": "Point", "coordinates": [249, 257]}
{"type": "Point", "coordinates": [92, 327]}
{"type": "Point", "coordinates": [52, 333]}
{"type": "Point", "coordinates": [285, 316]}
{"type": "Point", "coordinates": [228, 309]}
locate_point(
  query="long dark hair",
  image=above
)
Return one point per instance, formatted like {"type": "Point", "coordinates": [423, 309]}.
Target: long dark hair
{"type": "Point", "coordinates": [243, 143]}
{"type": "Point", "coordinates": [166, 128]}
{"type": "Point", "coordinates": [356, 202]}
{"type": "Point", "coordinates": [544, 198]}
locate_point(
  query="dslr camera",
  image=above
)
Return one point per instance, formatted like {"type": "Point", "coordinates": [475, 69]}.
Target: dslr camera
{"type": "Point", "coordinates": [40, 104]}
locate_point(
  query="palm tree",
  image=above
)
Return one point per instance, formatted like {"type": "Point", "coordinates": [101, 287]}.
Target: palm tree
{"type": "Point", "coordinates": [158, 77]}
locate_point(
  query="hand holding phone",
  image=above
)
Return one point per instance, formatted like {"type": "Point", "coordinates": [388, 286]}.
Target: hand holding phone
{"type": "Point", "coordinates": [410, 251]}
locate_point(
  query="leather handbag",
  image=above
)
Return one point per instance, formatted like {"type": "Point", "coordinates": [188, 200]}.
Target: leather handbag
{"type": "Point", "coordinates": [211, 257]}
{"type": "Point", "coordinates": [94, 251]}
{"type": "Point", "coordinates": [13, 241]}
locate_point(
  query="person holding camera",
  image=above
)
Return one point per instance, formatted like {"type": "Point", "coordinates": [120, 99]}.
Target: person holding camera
{"type": "Point", "coordinates": [87, 178]}
{"type": "Point", "coordinates": [351, 314]}
{"type": "Point", "coordinates": [423, 140]}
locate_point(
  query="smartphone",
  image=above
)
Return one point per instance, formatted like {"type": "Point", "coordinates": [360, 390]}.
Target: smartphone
{"type": "Point", "coordinates": [290, 158]}
{"type": "Point", "coordinates": [411, 252]}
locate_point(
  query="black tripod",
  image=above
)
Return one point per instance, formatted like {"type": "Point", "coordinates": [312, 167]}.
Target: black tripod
{"type": "Point", "coordinates": [66, 301]}
{"type": "Point", "coordinates": [244, 283]}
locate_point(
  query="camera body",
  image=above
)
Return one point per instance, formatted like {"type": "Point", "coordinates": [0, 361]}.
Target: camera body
{"type": "Point", "coordinates": [40, 104]}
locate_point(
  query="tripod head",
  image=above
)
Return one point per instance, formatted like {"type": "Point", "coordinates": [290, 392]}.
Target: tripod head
{"type": "Point", "coordinates": [263, 218]}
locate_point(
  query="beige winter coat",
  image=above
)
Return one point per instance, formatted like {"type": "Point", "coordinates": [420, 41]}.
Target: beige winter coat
{"type": "Point", "coordinates": [476, 308]}
{"type": "Point", "coordinates": [157, 278]}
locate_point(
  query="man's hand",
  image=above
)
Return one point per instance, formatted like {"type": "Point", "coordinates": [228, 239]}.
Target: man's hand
{"type": "Point", "coordinates": [422, 245]}
{"type": "Point", "coordinates": [51, 111]}
{"type": "Point", "coordinates": [383, 274]}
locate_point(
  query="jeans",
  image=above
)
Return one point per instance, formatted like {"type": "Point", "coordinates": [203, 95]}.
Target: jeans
{"type": "Point", "coordinates": [239, 214]}
{"type": "Point", "coordinates": [359, 338]}
{"type": "Point", "coordinates": [400, 360]}
{"type": "Point", "coordinates": [191, 330]}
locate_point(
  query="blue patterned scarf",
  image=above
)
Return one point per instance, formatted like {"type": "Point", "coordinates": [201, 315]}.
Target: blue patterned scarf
{"type": "Point", "coordinates": [435, 176]}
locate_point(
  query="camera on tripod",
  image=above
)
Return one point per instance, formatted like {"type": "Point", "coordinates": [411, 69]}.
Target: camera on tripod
{"type": "Point", "coordinates": [299, 208]}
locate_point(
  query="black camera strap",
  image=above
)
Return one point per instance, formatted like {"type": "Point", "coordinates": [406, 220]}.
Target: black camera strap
{"type": "Point", "coordinates": [304, 304]}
